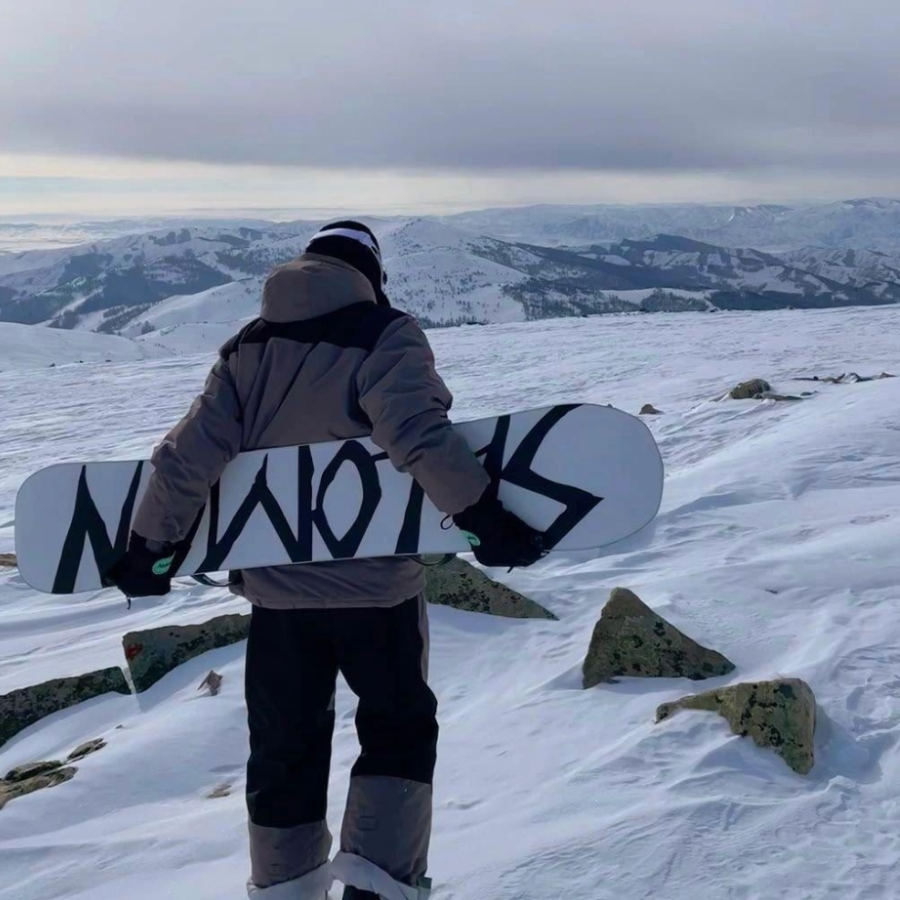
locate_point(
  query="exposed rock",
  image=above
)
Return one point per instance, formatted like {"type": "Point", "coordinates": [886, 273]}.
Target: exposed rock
{"type": "Point", "coordinates": [220, 791]}
{"type": "Point", "coordinates": [749, 390]}
{"type": "Point", "coordinates": [648, 409]}
{"type": "Point", "coordinates": [846, 378]}
{"type": "Point", "coordinates": [8, 560]}
{"type": "Point", "coordinates": [771, 395]}
{"type": "Point", "coordinates": [25, 706]}
{"type": "Point", "coordinates": [154, 653]}
{"type": "Point", "coordinates": [212, 682]}
{"type": "Point", "coordinates": [9, 790]}
{"type": "Point", "coordinates": [32, 770]}
{"type": "Point", "coordinates": [86, 749]}
{"type": "Point", "coordinates": [780, 715]}
{"type": "Point", "coordinates": [631, 639]}
{"type": "Point", "coordinates": [462, 586]}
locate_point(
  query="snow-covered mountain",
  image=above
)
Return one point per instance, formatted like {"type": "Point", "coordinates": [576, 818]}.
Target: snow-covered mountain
{"type": "Point", "coordinates": [859, 224]}
{"type": "Point", "coordinates": [865, 269]}
{"type": "Point", "coordinates": [751, 279]}
{"type": "Point", "coordinates": [211, 274]}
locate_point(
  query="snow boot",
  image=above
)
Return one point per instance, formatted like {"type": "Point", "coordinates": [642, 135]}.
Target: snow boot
{"type": "Point", "coordinates": [354, 893]}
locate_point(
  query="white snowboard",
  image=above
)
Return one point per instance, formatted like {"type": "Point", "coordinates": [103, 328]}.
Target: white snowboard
{"type": "Point", "coordinates": [587, 475]}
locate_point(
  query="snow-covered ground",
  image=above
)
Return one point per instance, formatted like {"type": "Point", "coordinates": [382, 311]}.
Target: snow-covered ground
{"type": "Point", "coordinates": [27, 347]}
{"type": "Point", "coordinates": [776, 544]}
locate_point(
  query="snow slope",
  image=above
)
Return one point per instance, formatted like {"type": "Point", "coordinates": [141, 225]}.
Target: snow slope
{"type": "Point", "coordinates": [26, 347]}
{"type": "Point", "coordinates": [776, 545]}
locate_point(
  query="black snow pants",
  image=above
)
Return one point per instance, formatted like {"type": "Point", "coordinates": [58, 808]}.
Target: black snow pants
{"type": "Point", "coordinates": [293, 659]}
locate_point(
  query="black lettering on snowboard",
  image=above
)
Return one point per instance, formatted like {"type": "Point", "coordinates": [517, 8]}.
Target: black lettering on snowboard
{"type": "Point", "coordinates": [298, 547]}
{"type": "Point", "coordinates": [411, 530]}
{"type": "Point", "coordinates": [579, 503]}
{"type": "Point", "coordinates": [351, 452]}
{"type": "Point", "coordinates": [88, 524]}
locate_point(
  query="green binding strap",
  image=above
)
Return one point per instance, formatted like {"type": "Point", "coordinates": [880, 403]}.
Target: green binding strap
{"type": "Point", "coordinates": [162, 566]}
{"type": "Point", "coordinates": [473, 539]}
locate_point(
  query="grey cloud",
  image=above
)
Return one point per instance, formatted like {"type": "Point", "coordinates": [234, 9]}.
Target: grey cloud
{"type": "Point", "coordinates": [696, 85]}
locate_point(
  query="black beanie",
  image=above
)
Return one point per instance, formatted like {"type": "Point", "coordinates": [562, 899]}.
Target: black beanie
{"type": "Point", "coordinates": [355, 244]}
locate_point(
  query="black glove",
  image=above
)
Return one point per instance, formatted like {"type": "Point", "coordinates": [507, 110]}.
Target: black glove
{"type": "Point", "coordinates": [145, 569]}
{"type": "Point", "coordinates": [498, 537]}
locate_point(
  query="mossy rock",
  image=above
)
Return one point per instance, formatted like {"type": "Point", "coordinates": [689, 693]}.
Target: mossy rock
{"type": "Point", "coordinates": [154, 653]}
{"type": "Point", "coordinates": [44, 778]}
{"type": "Point", "coordinates": [23, 707]}
{"type": "Point", "coordinates": [631, 639]}
{"type": "Point", "coordinates": [32, 770]}
{"type": "Point", "coordinates": [779, 715]}
{"type": "Point", "coordinates": [86, 749]}
{"type": "Point", "coordinates": [462, 586]}
{"type": "Point", "coordinates": [749, 390]}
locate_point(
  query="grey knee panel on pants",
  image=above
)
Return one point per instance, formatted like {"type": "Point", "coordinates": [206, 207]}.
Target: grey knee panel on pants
{"type": "Point", "coordinates": [285, 854]}
{"type": "Point", "coordinates": [388, 821]}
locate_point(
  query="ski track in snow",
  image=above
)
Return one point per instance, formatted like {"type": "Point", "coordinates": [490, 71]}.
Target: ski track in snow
{"type": "Point", "coordinates": [776, 544]}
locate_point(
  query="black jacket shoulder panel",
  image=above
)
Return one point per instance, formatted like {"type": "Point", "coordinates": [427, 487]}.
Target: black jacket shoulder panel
{"type": "Point", "coordinates": [359, 325]}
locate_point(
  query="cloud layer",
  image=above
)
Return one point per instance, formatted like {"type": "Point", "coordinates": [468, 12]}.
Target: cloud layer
{"type": "Point", "coordinates": [650, 86]}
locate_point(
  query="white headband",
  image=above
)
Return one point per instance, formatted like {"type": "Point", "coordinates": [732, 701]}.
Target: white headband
{"type": "Point", "coordinates": [351, 233]}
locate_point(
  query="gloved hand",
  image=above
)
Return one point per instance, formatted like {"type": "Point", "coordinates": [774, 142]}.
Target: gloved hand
{"type": "Point", "coordinates": [144, 570]}
{"type": "Point", "coordinates": [498, 537]}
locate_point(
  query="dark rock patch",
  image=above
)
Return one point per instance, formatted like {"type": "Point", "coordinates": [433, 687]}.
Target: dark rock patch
{"type": "Point", "coordinates": [33, 777]}
{"type": "Point", "coordinates": [632, 640]}
{"type": "Point", "coordinates": [212, 682]}
{"type": "Point", "coordinates": [86, 749]}
{"type": "Point", "coordinates": [152, 654]}
{"type": "Point", "coordinates": [779, 715]}
{"type": "Point", "coordinates": [24, 707]}
{"type": "Point", "coordinates": [846, 378]}
{"type": "Point", "coordinates": [462, 586]}
{"type": "Point", "coordinates": [750, 390]}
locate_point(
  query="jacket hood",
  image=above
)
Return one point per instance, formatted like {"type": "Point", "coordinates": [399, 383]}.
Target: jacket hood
{"type": "Point", "coordinates": [311, 286]}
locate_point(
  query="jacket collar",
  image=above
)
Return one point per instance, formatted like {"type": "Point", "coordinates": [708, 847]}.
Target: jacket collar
{"type": "Point", "coordinates": [311, 286]}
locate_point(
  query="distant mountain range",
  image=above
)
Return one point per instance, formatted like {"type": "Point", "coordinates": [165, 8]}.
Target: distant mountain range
{"type": "Point", "coordinates": [492, 266]}
{"type": "Point", "coordinates": [864, 224]}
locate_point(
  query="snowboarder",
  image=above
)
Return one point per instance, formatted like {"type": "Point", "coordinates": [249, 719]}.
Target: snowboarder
{"type": "Point", "coordinates": [330, 359]}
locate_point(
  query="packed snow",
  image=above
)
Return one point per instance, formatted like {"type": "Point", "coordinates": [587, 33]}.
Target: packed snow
{"type": "Point", "coordinates": [776, 545]}
{"type": "Point", "coordinates": [27, 347]}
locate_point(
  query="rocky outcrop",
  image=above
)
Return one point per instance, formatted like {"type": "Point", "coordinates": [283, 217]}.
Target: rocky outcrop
{"type": "Point", "coordinates": [33, 777]}
{"type": "Point", "coordinates": [212, 683]}
{"type": "Point", "coordinates": [781, 398]}
{"type": "Point", "coordinates": [779, 715]}
{"type": "Point", "coordinates": [86, 749]}
{"type": "Point", "coordinates": [462, 586]}
{"type": "Point", "coordinates": [152, 654]}
{"type": "Point", "coordinates": [750, 390]}
{"type": "Point", "coordinates": [631, 639]}
{"type": "Point", "coordinates": [32, 770]}
{"type": "Point", "coordinates": [846, 378]}
{"type": "Point", "coordinates": [8, 561]}
{"type": "Point", "coordinates": [219, 791]}
{"type": "Point", "coordinates": [25, 706]}
{"type": "Point", "coordinates": [759, 389]}
{"type": "Point", "coordinates": [648, 409]}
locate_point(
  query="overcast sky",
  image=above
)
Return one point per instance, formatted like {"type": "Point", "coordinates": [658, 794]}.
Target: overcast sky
{"type": "Point", "coordinates": [151, 104]}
